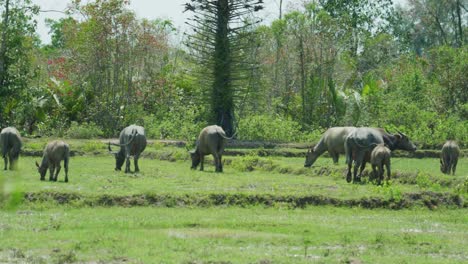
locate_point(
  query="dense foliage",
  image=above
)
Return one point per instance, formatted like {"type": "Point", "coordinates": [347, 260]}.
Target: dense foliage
{"type": "Point", "coordinates": [317, 66]}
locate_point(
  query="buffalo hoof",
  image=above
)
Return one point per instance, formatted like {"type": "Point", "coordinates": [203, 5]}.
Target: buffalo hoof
{"type": "Point", "coordinates": [42, 179]}
{"type": "Point", "coordinates": [66, 180]}
{"type": "Point", "coordinates": [348, 178]}
{"type": "Point", "coordinates": [117, 169]}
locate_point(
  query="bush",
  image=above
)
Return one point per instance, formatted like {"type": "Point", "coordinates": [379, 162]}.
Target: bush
{"type": "Point", "coordinates": [179, 123]}
{"type": "Point", "coordinates": [83, 131]}
{"type": "Point", "coordinates": [269, 128]}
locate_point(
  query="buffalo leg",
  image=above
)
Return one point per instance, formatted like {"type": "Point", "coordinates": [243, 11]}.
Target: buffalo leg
{"type": "Point", "coordinates": [387, 165]}
{"type": "Point", "coordinates": [127, 164]}
{"type": "Point", "coordinates": [220, 163]}
{"type": "Point", "coordinates": [217, 159]}
{"type": "Point", "coordinates": [202, 160]}
{"type": "Point", "coordinates": [51, 172]}
{"type": "Point", "coordinates": [357, 164]}
{"type": "Point", "coordinates": [6, 161]}
{"type": "Point", "coordinates": [57, 170]}
{"type": "Point", "coordinates": [349, 161]}
{"type": "Point", "coordinates": [10, 157]}
{"type": "Point", "coordinates": [454, 166]}
{"type": "Point", "coordinates": [135, 161]}
{"type": "Point", "coordinates": [65, 164]}
{"type": "Point", "coordinates": [381, 173]}
{"type": "Point", "coordinates": [374, 172]}
{"type": "Point", "coordinates": [355, 171]}
{"type": "Point", "coordinates": [362, 167]}
{"type": "Point", "coordinates": [335, 157]}
{"type": "Point", "coordinates": [348, 176]}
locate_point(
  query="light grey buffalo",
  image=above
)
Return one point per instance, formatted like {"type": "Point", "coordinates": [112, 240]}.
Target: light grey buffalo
{"type": "Point", "coordinates": [54, 153]}
{"type": "Point", "coordinates": [449, 157]}
{"type": "Point", "coordinates": [380, 157]}
{"type": "Point", "coordinates": [132, 142]}
{"type": "Point", "coordinates": [361, 141]}
{"type": "Point", "coordinates": [10, 141]}
{"type": "Point", "coordinates": [210, 141]}
{"type": "Point", "coordinates": [332, 141]}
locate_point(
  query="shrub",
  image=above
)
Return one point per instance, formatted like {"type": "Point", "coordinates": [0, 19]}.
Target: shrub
{"type": "Point", "coordinates": [83, 131]}
{"type": "Point", "coordinates": [269, 128]}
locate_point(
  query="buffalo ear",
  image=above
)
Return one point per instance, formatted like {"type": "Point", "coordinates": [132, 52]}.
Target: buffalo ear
{"type": "Point", "coordinates": [37, 164]}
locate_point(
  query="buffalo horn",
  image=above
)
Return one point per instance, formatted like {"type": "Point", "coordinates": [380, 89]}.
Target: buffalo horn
{"type": "Point", "coordinates": [401, 133]}
{"type": "Point", "coordinates": [37, 164]}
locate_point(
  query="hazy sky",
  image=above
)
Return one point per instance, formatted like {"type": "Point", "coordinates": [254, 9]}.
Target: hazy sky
{"type": "Point", "coordinates": [151, 9]}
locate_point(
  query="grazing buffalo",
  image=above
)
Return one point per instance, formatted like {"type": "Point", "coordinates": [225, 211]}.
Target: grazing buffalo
{"type": "Point", "coordinates": [10, 141]}
{"type": "Point", "coordinates": [332, 141]}
{"type": "Point", "coordinates": [449, 157]}
{"type": "Point", "coordinates": [361, 141]}
{"type": "Point", "coordinates": [380, 156]}
{"type": "Point", "coordinates": [54, 153]}
{"type": "Point", "coordinates": [210, 141]}
{"type": "Point", "coordinates": [132, 143]}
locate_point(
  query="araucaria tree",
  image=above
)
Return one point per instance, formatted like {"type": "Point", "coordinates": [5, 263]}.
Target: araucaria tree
{"type": "Point", "coordinates": [218, 46]}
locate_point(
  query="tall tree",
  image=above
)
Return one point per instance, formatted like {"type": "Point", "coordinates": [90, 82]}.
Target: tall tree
{"type": "Point", "coordinates": [216, 44]}
{"type": "Point", "coordinates": [17, 41]}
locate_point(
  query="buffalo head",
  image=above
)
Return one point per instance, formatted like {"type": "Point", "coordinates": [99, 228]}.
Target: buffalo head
{"type": "Point", "coordinates": [195, 156]}
{"type": "Point", "coordinates": [311, 157]}
{"type": "Point", "coordinates": [119, 158]}
{"type": "Point", "coordinates": [42, 170]}
{"type": "Point", "coordinates": [403, 142]}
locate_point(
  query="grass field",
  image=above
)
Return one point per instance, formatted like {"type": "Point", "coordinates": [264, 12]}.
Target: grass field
{"type": "Point", "coordinates": [260, 210]}
{"type": "Point", "coordinates": [231, 234]}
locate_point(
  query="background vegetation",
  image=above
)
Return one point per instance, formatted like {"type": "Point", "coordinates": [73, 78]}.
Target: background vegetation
{"type": "Point", "coordinates": [320, 64]}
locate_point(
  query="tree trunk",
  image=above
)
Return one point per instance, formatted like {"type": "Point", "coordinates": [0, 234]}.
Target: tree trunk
{"type": "Point", "coordinates": [461, 40]}
{"type": "Point", "coordinates": [3, 47]}
{"type": "Point", "coordinates": [222, 98]}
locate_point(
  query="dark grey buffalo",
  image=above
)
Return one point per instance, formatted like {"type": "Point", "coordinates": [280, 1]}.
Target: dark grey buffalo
{"type": "Point", "coordinates": [332, 141]}
{"type": "Point", "coordinates": [449, 157]}
{"type": "Point", "coordinates": [210, 141]}
{"type": "Point", "coordinates": [361, 141]}
{"type": "Point", "coordinates": [380, 157]}
{"type": "Point", "coordinates": [10, 141]}
{"type": "Point", "coordinates": [54, 153]}
{"type": "Point", "coordinates": [132, 142]}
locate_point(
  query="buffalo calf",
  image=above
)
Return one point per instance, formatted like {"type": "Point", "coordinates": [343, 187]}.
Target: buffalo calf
{"type": "Point", "coordinates": [210, 141]}
{"type": "Point", "coordinates": [10, 142]}
{"type": "Point", "coordinates": [380, 156]}
{"type": "Point", "coordinates": [54, 153]}
{"type": "Point", "coordinates": [449, 157]}
{"type": "Point", "coordinates": [132, 142]}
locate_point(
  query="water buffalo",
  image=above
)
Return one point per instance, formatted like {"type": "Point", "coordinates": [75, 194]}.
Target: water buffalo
{"type": "Point", "coordinates": [379, 157]}
{"type": "Point", "coordinates": [132, 143]}
{"type": "Point", "coordinates": [10, 141]}
{"type": "Point", "coordinates": [210, 141]}
{"type": "Point", "coordinates": [332, 141]}
{"type": "Point", "coordinates": [361, 141]}
{"type": "Point", "coordinates": [54, 153]}
{"type": "Point", "coordinates": [449, 157]}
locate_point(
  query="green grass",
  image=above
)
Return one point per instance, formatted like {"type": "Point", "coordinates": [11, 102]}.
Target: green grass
{"type": "Point", "coordinates": [90, 175]}
{"type": "Point", "coordinates": [248, 214]}
{"type": "Point", "coordinates": [236, 235]}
